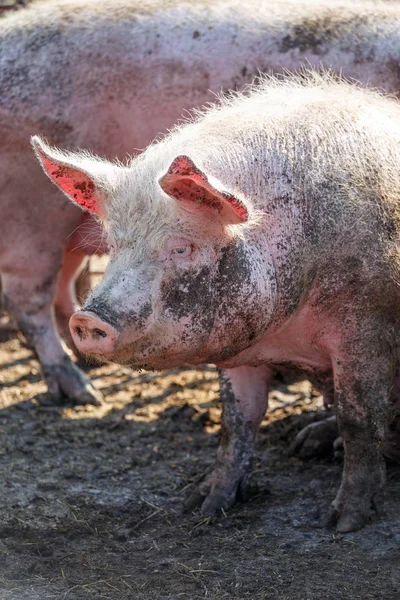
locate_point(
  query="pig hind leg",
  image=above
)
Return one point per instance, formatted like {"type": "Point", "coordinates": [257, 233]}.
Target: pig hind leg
{"type": "Point", "coordinates": [244, 396]}
{"type": "Point", "coordinates": [362, 397]}
{"type": "Point", "coordinates": [316, 439]}
{"type": "Point", "coordinates": [322, 438]}
{"type": "Point", "coordinates": [29, 297]}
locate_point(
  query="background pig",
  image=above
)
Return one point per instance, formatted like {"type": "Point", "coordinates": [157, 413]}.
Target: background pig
{"type": "Point", "coordinates": [265, 232]}
{"type": "Point", "coordinates": [110, 76]}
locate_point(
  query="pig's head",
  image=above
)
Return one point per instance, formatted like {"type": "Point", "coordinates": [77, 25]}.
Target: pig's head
{"type": "Point", "coordinates": [190, 278]}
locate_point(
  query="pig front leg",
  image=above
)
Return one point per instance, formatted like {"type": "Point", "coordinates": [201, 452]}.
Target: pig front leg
{"type": "Point", "coordinates": [66, 301]}
{"type": "Point", "coordinates": [29, 298]}
{"type": "Point", "coordinates": [87, 239]}
{"type": "Point", "coordinates": [244, 396]}
{"type": "Point", "coordinates": [362, 396]}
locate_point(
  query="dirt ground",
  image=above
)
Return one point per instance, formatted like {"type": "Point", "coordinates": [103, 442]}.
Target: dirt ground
{"type": "Point", "coordinates": [91, 498]}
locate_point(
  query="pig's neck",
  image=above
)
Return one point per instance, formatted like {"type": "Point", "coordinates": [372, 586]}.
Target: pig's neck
{"type": "Point", "coordinates": [296, 344]}
{"type": "Point", "coordinates": [287, 328]}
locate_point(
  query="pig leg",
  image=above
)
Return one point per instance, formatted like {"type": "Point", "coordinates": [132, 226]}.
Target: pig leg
{"type": "Point", "coordinates": [322, 438]}
{"type": "Point", "coordinates": [316, 440]}
{"type": "Point", "coordinates": [244, 396]}
{"type": "Point", "coordinates": [362, 401]}
{"type": "Point", "coordinates": [391, 445]}
{"type": "Point", "coordinates": [87, 239]}
{"type": "Point", "coordinates": [30, 298]}
{"type": "Point", "coordinates": [66, 301]}
{"type": "Point", "coordinates": [83, 282]}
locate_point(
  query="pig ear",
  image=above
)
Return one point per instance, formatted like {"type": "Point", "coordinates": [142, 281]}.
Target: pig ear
{"type": "Point", "coordinates": [81, 177]}
{"type": "Point", "coordinates": [186, 183]}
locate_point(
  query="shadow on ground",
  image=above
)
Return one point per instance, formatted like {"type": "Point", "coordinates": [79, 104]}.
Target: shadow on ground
{"type": "Point", "coordinates": [92, 498]}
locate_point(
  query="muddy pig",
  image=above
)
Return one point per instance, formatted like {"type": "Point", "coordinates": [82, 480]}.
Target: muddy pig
{"type": "Point", "coordinates": [110, 76]}
{"type": "Point", "coordinates": [264, 232]}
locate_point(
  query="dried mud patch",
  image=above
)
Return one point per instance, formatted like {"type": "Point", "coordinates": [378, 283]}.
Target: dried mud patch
{"type": "Point", "coordinates": [91, 498]}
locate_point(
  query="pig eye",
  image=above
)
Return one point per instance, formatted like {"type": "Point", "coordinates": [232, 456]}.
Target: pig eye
{"type": "Point", "coordinates": [182, 250]}
{"type": "Point", "coordinates": [179, 247]}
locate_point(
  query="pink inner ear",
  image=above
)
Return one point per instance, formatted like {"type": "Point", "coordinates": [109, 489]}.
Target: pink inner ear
{"type": "Point", "coordinates": [187, 189]}
{"type": "Point", "coordinates": [184, 181]}
{"type": "Point", "coordinates": [79, 187]}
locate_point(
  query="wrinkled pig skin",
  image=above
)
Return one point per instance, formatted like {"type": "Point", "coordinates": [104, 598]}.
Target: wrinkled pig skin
{"type": "Point", "coordinates": [109, 76]}
{"type": "Point", "coordinates": [263, 233]}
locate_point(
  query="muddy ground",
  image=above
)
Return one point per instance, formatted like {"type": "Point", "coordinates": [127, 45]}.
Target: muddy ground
{"type": "Point", "coordinates": [91, 498]}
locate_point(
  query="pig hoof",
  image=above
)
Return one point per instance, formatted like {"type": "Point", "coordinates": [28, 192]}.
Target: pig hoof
{"type": "Point", "coordinates": [66, 381]}
{"type": "Point", "coordinates": [338, 449]}
{"type": "Point", "coordinates": [352, 512]}
{"type": "Point", "coordinates": [195, 500]}
{"type": "Point", "coordinates": [210, 505]}
{"type": "Point", "coordinates": [89, 396]}
{"type": "Point", "coordinates": [215, 503]}
{"type": "Point", "coordinates": [351, 522]}
{"type": "Point", "coordinates": [316, 440]}
{"type": "Point", "coordinates": [214, 499]}
{"type": "Point", "coordinates": [347, 521]}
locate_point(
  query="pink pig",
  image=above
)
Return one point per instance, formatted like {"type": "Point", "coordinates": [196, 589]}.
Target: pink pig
{"type": "Point", "coordinates": [266, 232]}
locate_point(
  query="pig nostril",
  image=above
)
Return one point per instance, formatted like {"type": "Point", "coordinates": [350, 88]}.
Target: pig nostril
{"type": "Point", "coordinates": [78, 331]}
{"type": "Point", "coordinates": [98, 333]}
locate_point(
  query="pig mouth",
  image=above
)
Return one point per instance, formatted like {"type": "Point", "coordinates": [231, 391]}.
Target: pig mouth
{"type": "Point", "coordinates": [154, 363]}
{"type": "Point", "coordinates": [150, 356]}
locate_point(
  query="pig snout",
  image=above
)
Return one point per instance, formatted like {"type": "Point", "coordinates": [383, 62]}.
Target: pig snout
{"type": "Point", "coordinates": [92, 335]}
